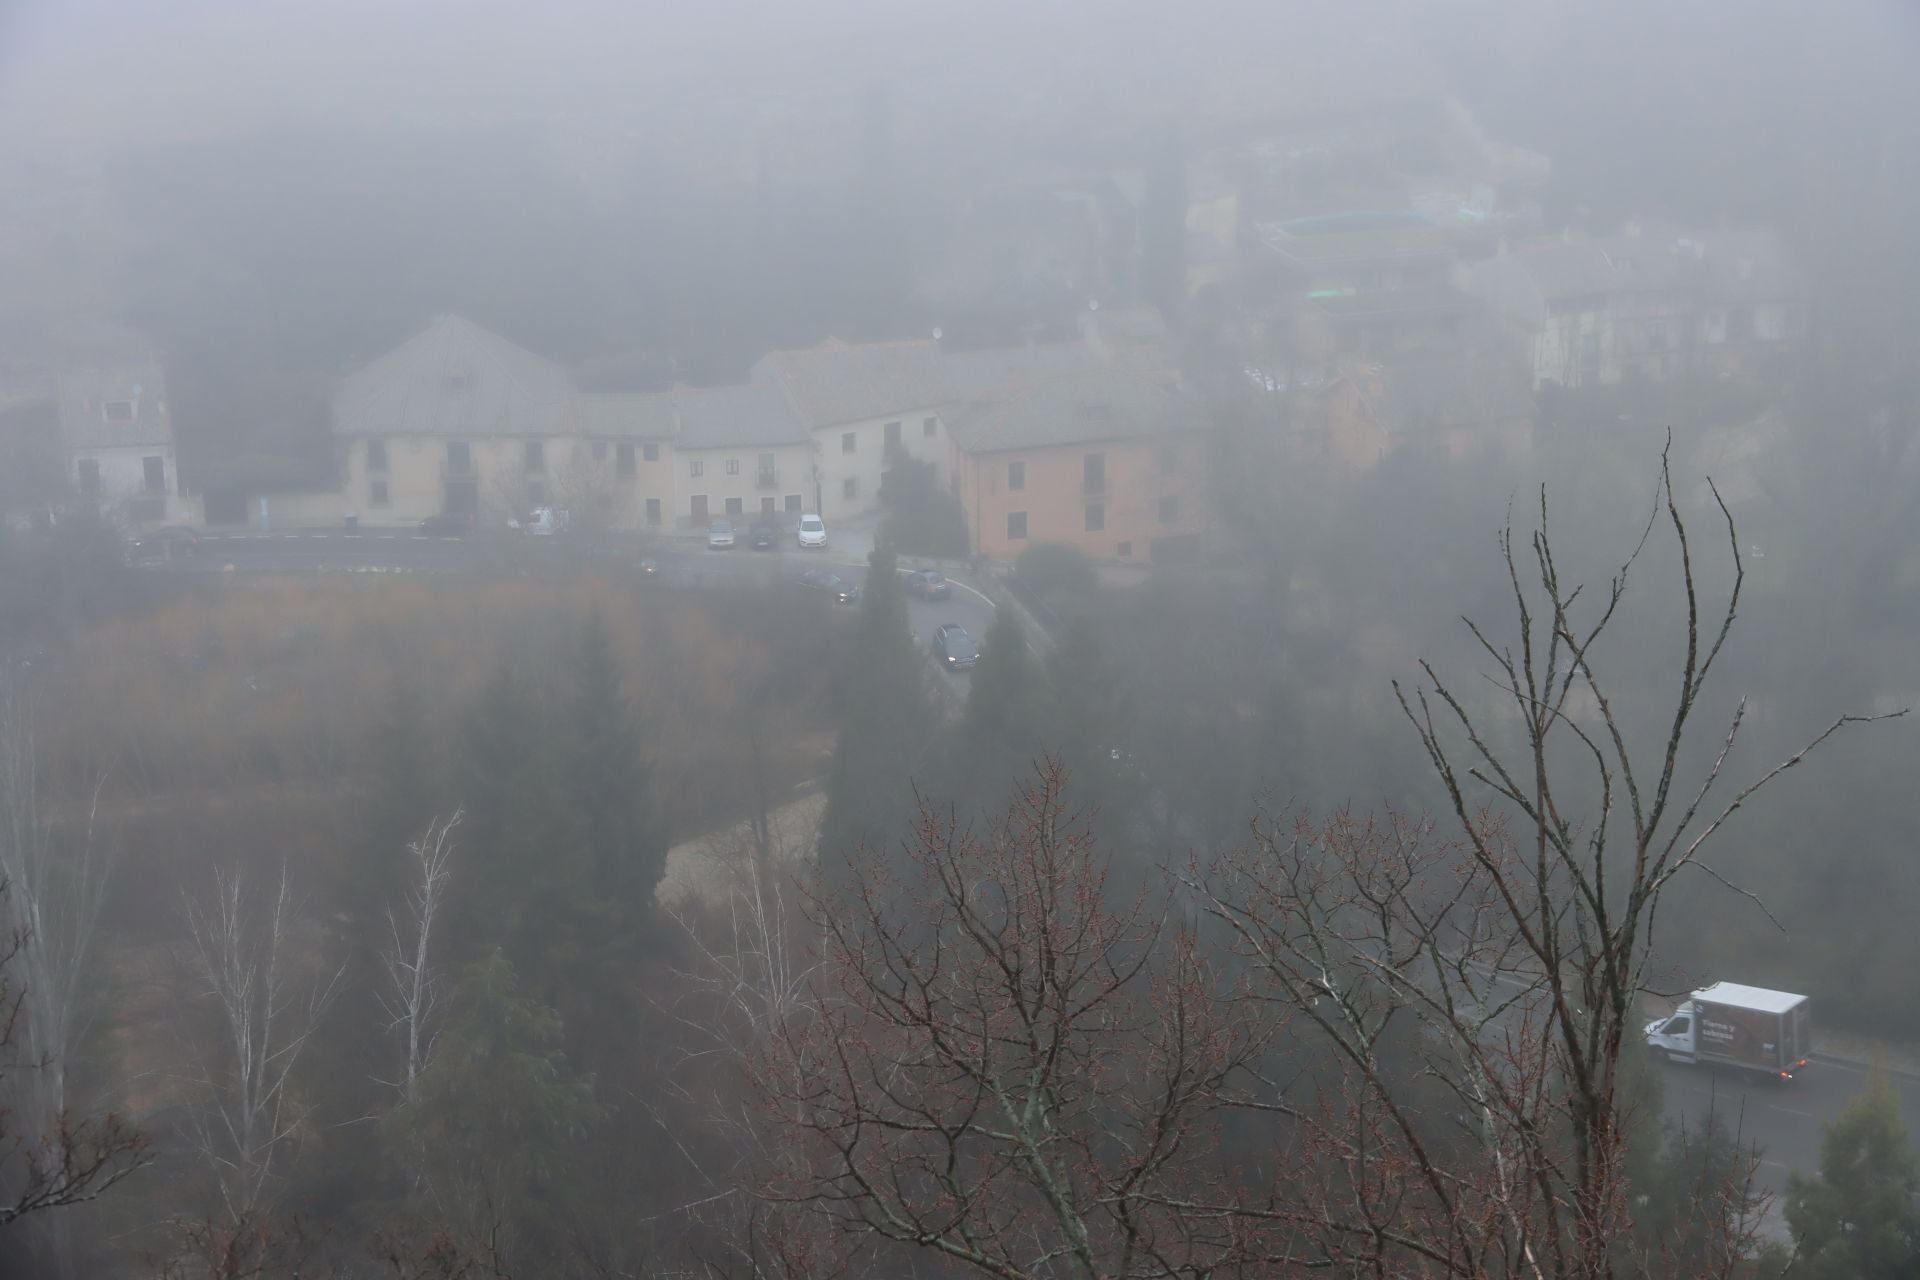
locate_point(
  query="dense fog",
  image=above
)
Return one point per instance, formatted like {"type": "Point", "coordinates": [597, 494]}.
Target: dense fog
{"type": "Point", "coordinates": [875, 639]}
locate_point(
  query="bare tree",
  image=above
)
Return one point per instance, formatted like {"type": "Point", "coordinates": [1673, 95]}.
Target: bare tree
{"type": "Point", "coordinates": [52, 886]}
{"type": "Point", "coordinates": [1009, 1065]}
{"type": "Point", "coordinates": [1518, 947]}
{"type": "Point", "coordinates": [240, 945]}
{"type": "Point", "coordinates": [412, 997]}
{"type": "Point", "coordinates": [56, 876]}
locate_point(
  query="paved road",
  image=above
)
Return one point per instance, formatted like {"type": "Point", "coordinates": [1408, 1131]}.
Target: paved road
{"type": "Point", "coordinates": [1785, 1118]}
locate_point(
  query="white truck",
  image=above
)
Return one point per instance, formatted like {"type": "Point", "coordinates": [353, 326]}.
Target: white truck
{"type": "Point", "coordinates": [1732, 1025]}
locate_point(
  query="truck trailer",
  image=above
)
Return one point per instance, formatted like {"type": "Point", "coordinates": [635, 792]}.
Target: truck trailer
{"type": "Point", "coordinates": [1732, 1025]}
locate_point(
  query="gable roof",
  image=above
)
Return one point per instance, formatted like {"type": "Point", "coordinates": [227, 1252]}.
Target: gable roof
{"type": "Point", "coordinates": [755, 413]}
{"type": "Point", "coordinates": [635, 415]}
{"type": "Point", "coordinates": [838, 382]}
{"type": "Point", "coordinates": [455, 378]}
{"type": "Point", "coordinates": [1080, 407]}
{"type": "Point", "coordinates": [85, 391]}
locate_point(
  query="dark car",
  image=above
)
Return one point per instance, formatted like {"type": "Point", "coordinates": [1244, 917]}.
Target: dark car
{"type": "Point", "coordinates": [830, 585]}
{"type": "Point", "coordinates": [953, 648]}
{"type": "Point", "coordinates": [447, 524]}
{"type": "Point", "coordinates": [929, 584]}
{"type": "Point", "coordinates": [175, 542]}
{"type": "Point", "coordinates": [761, 537]}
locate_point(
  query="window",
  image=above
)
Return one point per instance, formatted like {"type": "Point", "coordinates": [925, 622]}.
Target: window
{"type": "Point", "coordinates": [376, 455]}
{"type": "Point", "coordinates": [766, 507]}
{"type": "Point", "coordinates": [650, 452]}
{"type": "Point", "coordinates": [457, 382]}
{"type": "Point", "coordinates": [1096, 516]}
{"type": "Point", "coordinates": [623, 461]}
{"type": "Point", "coordinates": [377, 493]}
{"type": "Point", "coordinates": [90, 476]}
{"type": "Point", "coordinates": [1125, 550]}
{"type": "Point", "coordinates": [928, 426]}
{"type": "Point", "coordinates": [1168, 458]}
{"type": "Point", "coordinates": [793, 504]}
{"type": "Point", "coordinates": [599, 450]}
{"type": "Point", "coordinates": [536, 492]}
{"type": "Point", "coordinates": [117, 411]}
{"type": "Point", "coordinates": [733, 466]}
{"type": "Point", "coordinates": [1016, 525]}
{"type": "Point", "coordinates": [653, 511]}
{"type": "Point", "coordinates": [1016, 476]}
{"type": "Point", "coordinates": [891, 434]}
{"type": "Point", "coordinates": [696, 469]}
{"type": "Point", "coordinates": [766, 477]}
{"type": "Point", "coordinates": [154, 474]}
{"type": "Point", "coordinates": [535, 454]}
{"type": "Point", "coordinates": [459, 458]}
{"type": "Point", "coordinates": [850, 487]}
{"type": "Point", "coordinates": [1093, 473]}
{"type": "Point", "coordinates": [733, 506]}
{"type": "Point", "coordinates": [847, 440]}
{"type": "Point", "coordinates": [1169, 510]}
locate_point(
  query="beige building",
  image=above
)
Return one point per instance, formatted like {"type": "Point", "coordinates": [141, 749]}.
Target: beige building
{"type": "Point", "coordinates": [739, 452]}
{"type": "Point", "coordinates": [458, 419]}
{"type": "Point", "coordinates": [119, 443]}
{"type": "Point", "coordinates": [1092, 443]}
{"type": "Point", "coordinates": [859, 403]}
{"type": "Point", "coordinates": [1111, 460]}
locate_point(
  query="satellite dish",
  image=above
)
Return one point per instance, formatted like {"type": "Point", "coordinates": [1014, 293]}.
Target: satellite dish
{"type": "Point", "coordinates": [936, 333]}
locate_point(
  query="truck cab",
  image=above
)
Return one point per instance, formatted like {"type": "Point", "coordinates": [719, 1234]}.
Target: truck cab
{"type": "Point", "coordinates": [1673, 1034]}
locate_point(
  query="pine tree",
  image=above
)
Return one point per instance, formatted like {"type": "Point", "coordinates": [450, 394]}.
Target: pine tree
{"type": "Point", "coordinates": [885, 724]}
{"type": "Point", "coordinates": [408, 790]}
{"type": "Point", "coordinates": [1856, 1220]}
{"type": "Point", "coordinates": [1000, 738]}
{"type": "Point", "coordinates": [501, 1115]}
{"type": "Point", "coordinates": [1088, 717]}
{"type": "Point", "coordinates": [524, 865]}
{"type": "Point", "coordinates": [605, 778]}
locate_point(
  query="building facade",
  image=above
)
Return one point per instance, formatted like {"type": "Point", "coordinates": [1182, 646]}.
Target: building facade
{"type": "Point", "coordinates": [1111, 461]}
{"type": "Point", "coordinates": [119, 443]}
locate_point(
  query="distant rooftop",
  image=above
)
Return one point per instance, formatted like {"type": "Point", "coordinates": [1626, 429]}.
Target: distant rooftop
{"type": "Point", "coordinates": [1085, 406]}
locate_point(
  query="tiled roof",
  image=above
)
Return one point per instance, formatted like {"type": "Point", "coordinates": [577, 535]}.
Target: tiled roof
{"type": "Point", "coordinates": [1106, 402]}
{"type": "Point", "coordinates": [636, 415]}
{"type": "Point", "coordinates": [839, 382]}
{"type": "Point", "coordinates": [455, 379]}
{"type": "Point", "coordinates": [738, 416]}
{"type": "Point", "coordinates": [85, 392]}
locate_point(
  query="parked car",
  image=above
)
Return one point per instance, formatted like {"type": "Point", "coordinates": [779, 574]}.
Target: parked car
{"type": "Point", "coordinates": [547, 521]}
{"type": "Point", "coordinates": [174, 542]}
{"type": "Point", "coordinates": [446, 524]}
{"type": "Point", "coordinates": [762, 537]}
{"type": "Point", "coordinates": [720, 535]}
{"type": "Point", "coordinates": [928, 584]}
{"type": "Point", "coordinates": [831, 585]}
{"type": "Point", "coordinates": [953, 648]}
{"type": "Point", "coordinates": [813, 531]}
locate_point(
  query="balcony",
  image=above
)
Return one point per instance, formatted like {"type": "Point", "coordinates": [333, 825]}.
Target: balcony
{"type": "Point", "coordinates": [766, 478]}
